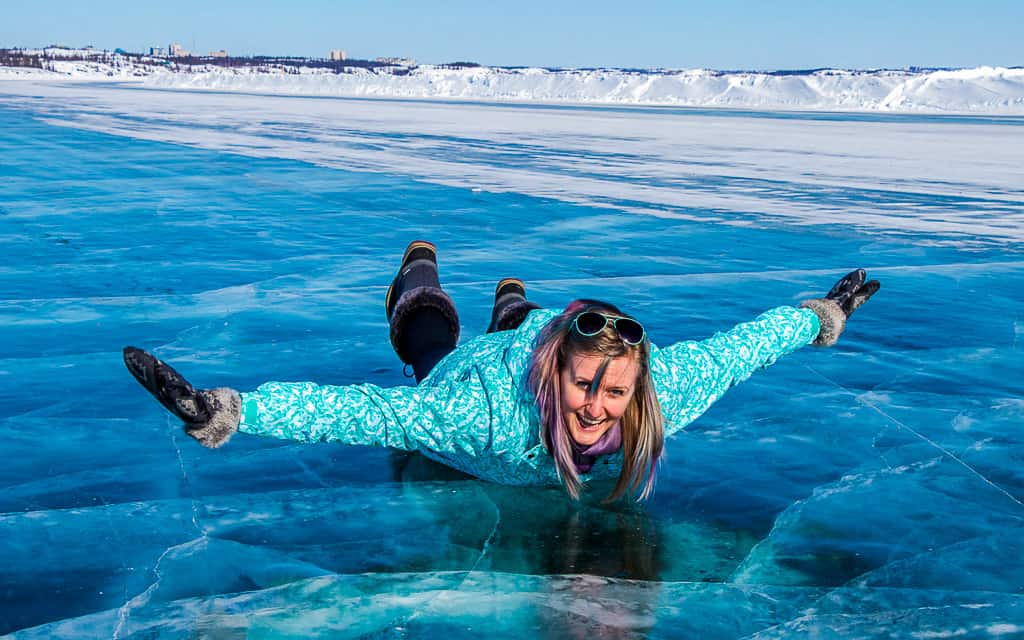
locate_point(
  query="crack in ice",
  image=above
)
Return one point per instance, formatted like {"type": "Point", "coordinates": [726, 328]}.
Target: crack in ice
{"type": "Point", "coordinates": [306, 469]}
{"type": "Point", "coordinates": [946, 452]}
{"type": "Point", "coordinates": [120, 545]}
{"type": "Point", "coordinates": [124, 612]}
{"type": "Point", "coordinates": [490, 539]}
{"type": "Point", "coordinates": [483, 552]}
{"type": "Point", "coordinates": [188, 482]}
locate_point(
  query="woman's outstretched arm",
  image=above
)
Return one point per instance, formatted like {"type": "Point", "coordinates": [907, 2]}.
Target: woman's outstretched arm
{"type": "Point", "coordinates": [690, 376]}
{"type": "Point", "coordinates": [443, 419]}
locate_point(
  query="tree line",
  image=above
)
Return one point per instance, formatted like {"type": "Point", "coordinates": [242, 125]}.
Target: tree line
{"type": "Point", "coordinates": [20, 58]}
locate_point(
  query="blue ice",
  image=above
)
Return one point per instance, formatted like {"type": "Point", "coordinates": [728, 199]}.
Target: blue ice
{"type": "Point", "coordinates": [870, 490]}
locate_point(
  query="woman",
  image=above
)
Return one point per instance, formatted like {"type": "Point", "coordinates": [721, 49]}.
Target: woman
{"type": "Point", "coordinates": [542, 397]}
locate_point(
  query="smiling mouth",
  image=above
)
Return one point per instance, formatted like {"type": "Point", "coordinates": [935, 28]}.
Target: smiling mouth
{"type": "Point", "coordinates": [587, 423]}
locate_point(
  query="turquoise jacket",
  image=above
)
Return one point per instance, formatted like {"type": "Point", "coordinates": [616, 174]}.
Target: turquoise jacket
{"type": "Point", "coordinates": [475, 412]}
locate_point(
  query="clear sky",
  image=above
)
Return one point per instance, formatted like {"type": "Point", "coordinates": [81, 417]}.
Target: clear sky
{"type": "Point", "coordinates": [718, 34]}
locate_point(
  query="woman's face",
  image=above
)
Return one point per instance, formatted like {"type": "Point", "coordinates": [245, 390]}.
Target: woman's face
{"type": "Point", "coordinates": [590, 415]}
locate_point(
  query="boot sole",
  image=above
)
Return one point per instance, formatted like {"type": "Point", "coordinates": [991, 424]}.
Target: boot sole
{"type": "Point", "coordinates": [415, 244]}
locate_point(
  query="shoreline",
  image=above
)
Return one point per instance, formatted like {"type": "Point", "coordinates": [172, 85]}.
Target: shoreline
{"type": "Point", "coordinates": [965, 92]}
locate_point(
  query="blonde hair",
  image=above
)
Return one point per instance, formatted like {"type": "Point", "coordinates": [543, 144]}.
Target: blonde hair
{"type": "Point", "coordinates": [642, 425]}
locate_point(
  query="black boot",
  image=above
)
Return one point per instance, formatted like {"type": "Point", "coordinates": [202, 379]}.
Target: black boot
{"type": "Point", "coordinates": [510, 305]}
{"type": "Point", "coordinates": [423, 318]}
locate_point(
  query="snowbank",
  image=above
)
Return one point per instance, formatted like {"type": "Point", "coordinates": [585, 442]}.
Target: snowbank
{"type": "Point", "coordinates": [982, 90]}
{"type": "Point", "coordinates": [985, 90]}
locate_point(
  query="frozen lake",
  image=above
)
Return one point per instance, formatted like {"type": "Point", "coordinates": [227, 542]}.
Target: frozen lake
{"type": "Point", "coordinates": [870, 490]}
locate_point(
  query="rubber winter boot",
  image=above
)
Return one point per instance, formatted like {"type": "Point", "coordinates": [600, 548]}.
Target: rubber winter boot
{"type": "Point", "coordinates": [510, 305]}
{"type": "Point", "coordinates": [416, 289]}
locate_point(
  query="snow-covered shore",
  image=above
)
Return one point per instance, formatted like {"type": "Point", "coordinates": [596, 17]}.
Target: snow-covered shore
{"type": "Point", "coordinates": [983, 90]}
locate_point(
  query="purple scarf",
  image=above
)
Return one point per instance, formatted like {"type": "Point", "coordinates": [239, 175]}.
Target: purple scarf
{"type": "Point", "coordinates": [584, 458]}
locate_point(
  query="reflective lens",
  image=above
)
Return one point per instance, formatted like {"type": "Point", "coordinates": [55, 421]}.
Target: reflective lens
{"type": "Point", "coordinates": [631, 331]}
{"type": "Point", "coordinates": [591, 323]}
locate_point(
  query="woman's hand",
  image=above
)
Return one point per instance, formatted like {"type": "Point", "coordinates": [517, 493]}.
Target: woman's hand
{"type": "Point", "coordinates": [851, 292]}
{"type": "Point", "coordinates": [842, 300]}
{"type": "Point", "coordinates": [210, 416]}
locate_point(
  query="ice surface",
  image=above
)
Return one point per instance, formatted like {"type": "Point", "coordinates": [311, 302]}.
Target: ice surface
{"type": "Point", "coordinates": [869, 490]}
{"type": "Point", "coordinates": [918, 175]}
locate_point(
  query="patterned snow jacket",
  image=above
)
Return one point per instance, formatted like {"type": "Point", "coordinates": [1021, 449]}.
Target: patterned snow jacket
{"type": "Point", "coordinates": [475, 412]}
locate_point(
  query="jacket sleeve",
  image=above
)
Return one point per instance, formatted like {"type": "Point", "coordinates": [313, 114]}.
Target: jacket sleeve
{"type": "Point", "coordinates": [690, 376]}
{"type": "Point", "coordinates": [443, 419]}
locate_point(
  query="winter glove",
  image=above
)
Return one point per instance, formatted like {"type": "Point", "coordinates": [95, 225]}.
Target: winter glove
{"type": "Point", "coordinates": [837, 305]}
{"type": "Point", "coordinates": [211, 416]}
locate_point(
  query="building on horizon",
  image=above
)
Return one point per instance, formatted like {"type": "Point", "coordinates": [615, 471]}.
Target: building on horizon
{"type": "Point", "coordinates": [401, 62]}
{"type": "Point", "coordinates": [218, 54]}
{"type": "Point", "coordinates": [158, 51]}
{"type": "Point", "coordinates": [175, 50]}
{"type": "Point", "coordinates": [338, 54]}
{"type": "Point", "coordinates": [64, 51]}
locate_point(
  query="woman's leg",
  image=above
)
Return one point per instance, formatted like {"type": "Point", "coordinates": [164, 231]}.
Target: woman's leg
{"type": "Point", "coordinates": [426, 339]}
{"type": "Point", "coordinates": [510, 305]}
{"type": "Point", "coordinates": [423, 319]}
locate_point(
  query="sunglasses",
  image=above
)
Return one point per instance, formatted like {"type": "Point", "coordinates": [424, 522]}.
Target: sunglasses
{"type": "Point", "coordinates": [591, 323]}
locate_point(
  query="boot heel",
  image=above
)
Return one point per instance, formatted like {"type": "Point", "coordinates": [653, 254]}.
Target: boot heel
{"type": "Point", "coordinates": [416, 250]}
{"type": "Point", "coordinates": [515, 285]}
{"type": "Point", "coordinates": [510, 305]}
{"type": "Point", "coordinates": [419, 244]}
{"type": "Point", "coordinates": [417, 287]}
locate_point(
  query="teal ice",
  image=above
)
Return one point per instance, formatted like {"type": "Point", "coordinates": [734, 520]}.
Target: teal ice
{"type": "Point", "coordinates": [873, 489]}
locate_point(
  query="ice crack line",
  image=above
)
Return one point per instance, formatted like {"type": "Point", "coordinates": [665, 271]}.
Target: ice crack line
{"type": "Point", "coordinates": [188, 482]}
{"type": "Point", "coordinates": [483, 552]}
{"type": "Point", "coordinates": [125, 611]}
{"type": "Point", "coordinates": [946, 452]}
{"type": "Point", "coordinates": [140, 600]}
{"type": "Point", "coordinates": [115, 533]}
{"type": "Point", "coordinates": [490, 539]}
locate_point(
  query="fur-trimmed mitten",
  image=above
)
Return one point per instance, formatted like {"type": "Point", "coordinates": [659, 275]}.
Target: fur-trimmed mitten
{"type": "Point", "coordinates": [211, 416]}
{"type": "Point", "coordinates": [837, 305]}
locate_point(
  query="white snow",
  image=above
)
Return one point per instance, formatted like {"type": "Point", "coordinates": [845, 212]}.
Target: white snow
{"type": "Point", "coordinates": [984, 90]}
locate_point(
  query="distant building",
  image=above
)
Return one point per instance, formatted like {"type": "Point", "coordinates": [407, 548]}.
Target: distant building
{"type": "Point", "coordinates": [219, 54]}
{"type": "Point", "coordinates": [400, 62]}
{"type": "Point", "coordinates": [61, 51]}
{"type": "Point", "coordinates": [338, 54]}
{"type": "Point", "coordinates": [176, 51]}
{"type": "Point", "coordinates": [157, 51]}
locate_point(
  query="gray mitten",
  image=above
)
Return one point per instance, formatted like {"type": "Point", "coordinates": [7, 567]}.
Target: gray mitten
{"type": "Point", "coordinates": [211, 416]}
{"type": "Point", "coordinates": [837, 305]}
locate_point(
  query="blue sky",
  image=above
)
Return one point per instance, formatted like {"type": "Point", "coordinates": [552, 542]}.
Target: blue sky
{"type": "Point", "coordinates": [720, 34]}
